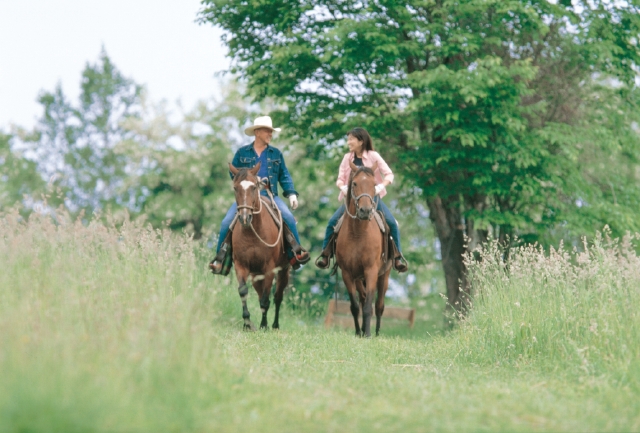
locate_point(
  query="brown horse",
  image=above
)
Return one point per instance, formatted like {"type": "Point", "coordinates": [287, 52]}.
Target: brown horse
{"type": "Point", "coordinates": [359, 249]}
{"type": "Point", "coordinates": [258, 249]}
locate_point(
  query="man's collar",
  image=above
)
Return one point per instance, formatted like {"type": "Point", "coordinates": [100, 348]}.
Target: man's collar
{"type": "Point", "coordinates": [253, 146]}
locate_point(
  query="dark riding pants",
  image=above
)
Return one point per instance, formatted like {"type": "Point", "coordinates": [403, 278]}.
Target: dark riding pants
{"type": "Point", "coordinates": [391, 221]}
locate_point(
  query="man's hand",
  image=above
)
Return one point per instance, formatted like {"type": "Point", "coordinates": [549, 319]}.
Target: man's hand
{"type": "Point", "coordinates": [344, 189]}
{"type": "Point", "coordinates": [379, 188]}
{"type": "Point", "coordinates": [293, 201]}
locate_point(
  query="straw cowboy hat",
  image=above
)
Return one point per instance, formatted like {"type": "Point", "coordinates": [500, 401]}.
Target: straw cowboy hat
{"type": "Point", "coordinates": [261, 122]}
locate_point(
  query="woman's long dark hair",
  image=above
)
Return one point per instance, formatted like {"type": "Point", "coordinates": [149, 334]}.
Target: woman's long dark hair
{"type": "Point", "coordinates": [362, 135]}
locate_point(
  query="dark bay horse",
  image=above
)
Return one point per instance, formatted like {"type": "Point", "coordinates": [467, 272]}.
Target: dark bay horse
{"type": "Point", "coordinates": [359, 249]}
{"type": "Point", "coordinates": [258, 249]}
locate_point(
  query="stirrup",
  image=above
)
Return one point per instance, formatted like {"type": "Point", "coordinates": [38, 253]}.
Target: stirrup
{"type": "Point", "coordinates": [221, 263]}
{"type": "Point", "coordinates": [328, 251]}
{"type": "Point", "coordinates": [298, 260]}
{"type": "Point", "coordinates": [403, 266]}
{"type": "Point", "coordinates": [323, 265]}
{"type": "Point", "coordinates": [303, 256]}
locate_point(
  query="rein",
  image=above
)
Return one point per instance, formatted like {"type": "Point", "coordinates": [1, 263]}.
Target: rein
{"type": "Point", "coordinates": [245, 206]}
{"type": "Point", "coordinates": [356, 198]}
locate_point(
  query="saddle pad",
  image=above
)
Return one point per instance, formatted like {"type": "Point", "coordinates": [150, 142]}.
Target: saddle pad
{"type": "Point", "coordinates": [338, 224]}
{"type": "Point", "coordinates": [380, 222]}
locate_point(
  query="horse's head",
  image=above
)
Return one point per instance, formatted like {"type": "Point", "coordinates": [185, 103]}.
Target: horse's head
{"type": "Point", "coordinates": [246, 186]}
{"type": "Point", "coordinates": [362, 189]}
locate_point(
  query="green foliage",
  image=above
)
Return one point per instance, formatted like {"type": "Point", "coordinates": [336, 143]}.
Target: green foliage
{"type": "Point", "coordinates": [607, 188]}
{"type": "Point", "coordinates": [480, 103]}
{"type": "Point", "coordinates": [180, 170]}
{"type": "Point", "coordinates": [19, 178]}
{"type": "Point", "coordinates": [74, 143]}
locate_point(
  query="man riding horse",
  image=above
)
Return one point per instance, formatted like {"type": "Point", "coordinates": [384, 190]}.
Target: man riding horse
{"type": "Point", "coordinates": [272, 171]}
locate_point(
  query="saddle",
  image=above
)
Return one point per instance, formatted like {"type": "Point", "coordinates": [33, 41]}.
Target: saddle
{"type": "Point", "coordinates": [389, 250]}
{"type": "Point", "coordinates": [226, 249]}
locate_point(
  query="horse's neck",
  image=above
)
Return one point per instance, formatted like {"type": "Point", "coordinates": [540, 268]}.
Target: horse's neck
{"type": "Point", "coordinates": [260, 220]}
{"type": "Point", "coordinates": [356, 225]}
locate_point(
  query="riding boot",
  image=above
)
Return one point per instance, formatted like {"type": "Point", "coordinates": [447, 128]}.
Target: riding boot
{"type": "Point", "coordinates": [222, 262]}
{"type": "Point", "coordinates": [400, 264]}
{"type": "Point", "coordinates": [300, 255]}
{"type": "Point", "coordinates": [322, 261]}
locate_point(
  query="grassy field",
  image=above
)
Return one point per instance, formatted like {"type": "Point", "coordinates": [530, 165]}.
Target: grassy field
{"type": "Point", "coordinates": [123, 330]}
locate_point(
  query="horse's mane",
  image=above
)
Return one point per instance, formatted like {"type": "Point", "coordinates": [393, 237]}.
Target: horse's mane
{"type": "Point", "coordinates": [366, 170]}
{"type": "Point", "coordinates": [242, 174]}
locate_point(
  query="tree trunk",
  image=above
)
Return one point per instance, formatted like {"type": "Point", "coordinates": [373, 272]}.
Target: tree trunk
{"type": "Point", "coordinates": [448, 222]}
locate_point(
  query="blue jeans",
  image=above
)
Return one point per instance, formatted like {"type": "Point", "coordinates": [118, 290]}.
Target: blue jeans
{"type": "Point", "coordinates": [391, 222]}
{"type": "Point", "coordinates": [287, 216]}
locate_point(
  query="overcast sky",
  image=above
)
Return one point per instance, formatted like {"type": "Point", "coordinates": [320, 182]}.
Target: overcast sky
{"type": "Point", "coordinates": [155, 42]}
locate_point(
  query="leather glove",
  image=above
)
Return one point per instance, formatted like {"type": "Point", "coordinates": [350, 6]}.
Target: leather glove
{"type": "Point", "coordinates": [379, 188]}
{"type": "Point", "coordinates": [344, 189]}
{"type": "Point", "coordinates": [293, 201]}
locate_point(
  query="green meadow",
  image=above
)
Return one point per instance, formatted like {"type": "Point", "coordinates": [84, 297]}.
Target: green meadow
{"type": "Point", "coordinates": [122, 329]}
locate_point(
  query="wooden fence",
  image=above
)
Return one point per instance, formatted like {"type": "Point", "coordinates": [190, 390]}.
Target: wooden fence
{"type": "Point", "coordinates": [339, 313]}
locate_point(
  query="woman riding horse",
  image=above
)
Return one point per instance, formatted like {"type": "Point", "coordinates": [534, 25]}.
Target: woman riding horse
{"type": "Point", "coordinates": [362, 154]}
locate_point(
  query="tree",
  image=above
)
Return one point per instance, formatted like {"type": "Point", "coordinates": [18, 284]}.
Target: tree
{"type": "Point", "coordinates": [481, 104]}
{"type": "Point", "coordinates": [180, 173]}
{"type": "Point", "coordinates": [74, 144]}
{"type": "Point", "coordinates": [19, 178]}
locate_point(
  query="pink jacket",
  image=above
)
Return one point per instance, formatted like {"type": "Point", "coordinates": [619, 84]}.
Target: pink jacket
{"type": "Point", "coordinates": [368, 159]}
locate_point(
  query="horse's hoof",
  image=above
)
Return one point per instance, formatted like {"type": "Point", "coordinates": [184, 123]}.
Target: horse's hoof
{"type": "Point", "coordinates": [276, 327]}
{"type": "Point", "coordinates": [249, 328]}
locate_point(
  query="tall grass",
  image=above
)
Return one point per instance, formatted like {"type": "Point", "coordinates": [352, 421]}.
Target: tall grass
{"type": "Point", "coordinates": [574, 311]}
{"type": "Point", "coordinates": [108, 329]}
{"type": "Point", "coordinates": [91, 315]}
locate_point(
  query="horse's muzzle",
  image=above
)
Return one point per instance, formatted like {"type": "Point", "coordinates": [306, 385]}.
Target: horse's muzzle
{"type": "Point", "coordinates": [364, 213]}
{"type": "Point", "coordinates": [245, 219]}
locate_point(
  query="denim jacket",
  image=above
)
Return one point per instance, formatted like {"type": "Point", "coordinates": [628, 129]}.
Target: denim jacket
{"type": "Point", "coordinates": [246, 157]}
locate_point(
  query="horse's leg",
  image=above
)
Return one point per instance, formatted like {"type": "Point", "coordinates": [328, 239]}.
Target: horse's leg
{"type": "Point", "coordinates": [353, 296]}
{"type": "Point", "coordinates": [383, 284]}
{"type": "Point", "coordinates": [371, 278]}
{"type": "Point", "coordinates": [361, 289]}
{"type": "Point", "coordinates": [242, 275]}
{"type": "Point", "coordinates": [281, 283]}
{"type": "Point", "coordinates": [263, 287]}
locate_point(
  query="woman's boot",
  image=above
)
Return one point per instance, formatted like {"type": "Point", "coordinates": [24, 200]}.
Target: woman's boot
{"type": "Point", "coordinates": [323, 260]}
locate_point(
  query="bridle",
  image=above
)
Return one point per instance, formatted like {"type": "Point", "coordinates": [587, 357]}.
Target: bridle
{"type": "Point", "coordinates": [357, 198]}
{"type": "Point", "coordinates": [254, 212]}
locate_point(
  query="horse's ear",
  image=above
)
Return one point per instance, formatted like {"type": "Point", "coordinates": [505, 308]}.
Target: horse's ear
{"type": "Point", "coordinates": [375, 166]}
{"type": "Point", "coordinates": [254, 170]}
{"type": "Point", "coordinates": [233, 170]}
{"type": "Point", "coordinates": [354, 167]}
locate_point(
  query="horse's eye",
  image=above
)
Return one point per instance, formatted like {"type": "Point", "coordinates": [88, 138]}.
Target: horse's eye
{"type": "Point", "coordinates": [355, 184]}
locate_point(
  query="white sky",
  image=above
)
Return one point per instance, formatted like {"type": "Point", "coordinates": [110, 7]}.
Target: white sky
{"type": "Point", "coordinates": [154, 42]}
